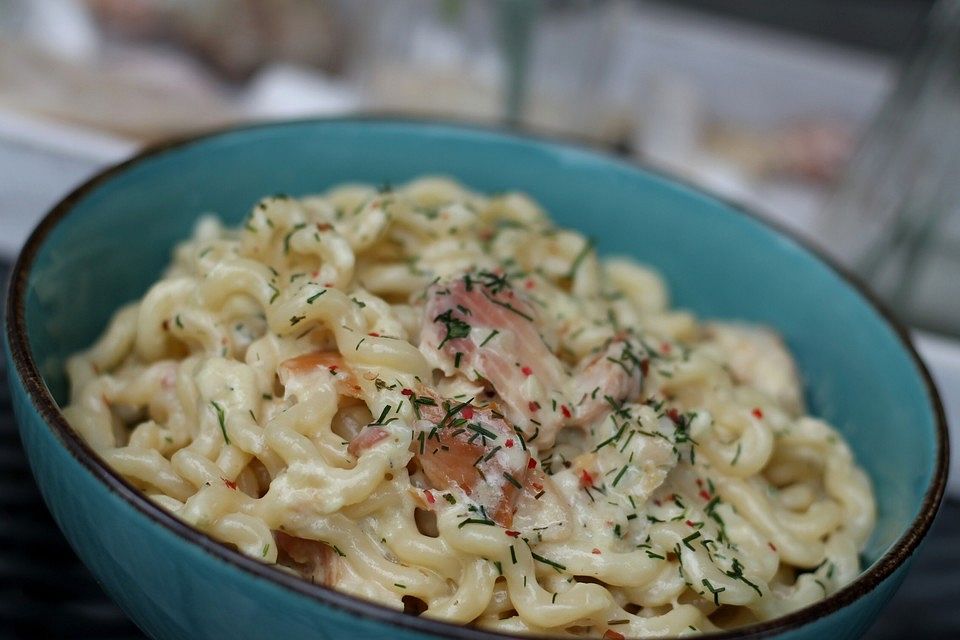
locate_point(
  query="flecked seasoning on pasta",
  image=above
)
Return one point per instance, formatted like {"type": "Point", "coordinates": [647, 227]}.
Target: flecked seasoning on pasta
{"type": "Point", "coordinates": [439, 401]}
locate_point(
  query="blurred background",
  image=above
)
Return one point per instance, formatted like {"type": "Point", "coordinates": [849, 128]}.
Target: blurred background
{"type": "Point", "coordinates": [838, 119]}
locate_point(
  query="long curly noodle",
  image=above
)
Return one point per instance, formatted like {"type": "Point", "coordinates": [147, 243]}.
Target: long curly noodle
{"type": "Point", "coordinates": [439, 401]}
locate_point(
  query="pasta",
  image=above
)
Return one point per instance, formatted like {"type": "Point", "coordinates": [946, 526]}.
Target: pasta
{"type": "Point", "coordinates": [439, 401]}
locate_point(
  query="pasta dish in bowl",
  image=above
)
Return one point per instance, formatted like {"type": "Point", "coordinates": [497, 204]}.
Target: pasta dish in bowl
{"type": "Point", "coordinates": [438, 400]}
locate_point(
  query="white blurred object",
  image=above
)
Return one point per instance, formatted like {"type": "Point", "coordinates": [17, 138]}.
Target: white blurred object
{"type": "Point", "coordinates": [60, 27]}
{"type": "Point", "coordinates": [288, 91]}
{"type": "Point", "coordinates": [793, 205]}
{"type": "Point", "coordinates": [942, 356]}
{"type": "Point", "coordinates": [671, 135]}
{"type": "Point", "coordinates": [747, 74]}
{"type": "Point", "coordinates": [40, 161]}
{"type": "Point", "coordinates": [62, 139]}
{"type": "Point", "coordinates": [673, 121]}
{"type": "Point", "coordinates": [719, 101]}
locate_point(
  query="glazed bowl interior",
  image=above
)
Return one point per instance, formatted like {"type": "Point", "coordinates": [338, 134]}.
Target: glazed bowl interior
{"type": "Point", "coordinates": [107, 243]}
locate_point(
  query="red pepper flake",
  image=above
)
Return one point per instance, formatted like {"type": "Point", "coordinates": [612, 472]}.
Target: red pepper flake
{"type": "Point", "coordinates": [689, 523]}
{"type": "Point", "coordinates": [467, 412]}
{"type": "Point", "coordinates": [329, 285]}
{"type": "Point", "coordinates": [529, 284]}
{"type": "Point", "coordinates": [644, 366]}
{"type": "Point", "coordinates": [324, 226]}
{"type": "Point", "coordinates": [509, 443]}
{"type": "Point", "coordinates": [665, 347]}
{"type": "Point", "coordinates": [534, 406]}
{"type": "Point", "coordinates": [430, 497]}
{"type": "Point", "coordinates": [657, 502]}
{"type": "Point", "coordinates": [610, 634]}
{"type": "Point", "coordinates": [757, 413]}
{"type": "Point", "coordinates": [526, 371]}
{"type": "Point", "coordinates": [595, 551]}
{"type": "Point", "coordinates": [406, 392]}
{"type": "Point", "coordinates": [333, 369]}
{"type": "Point", "coordinates": [374, 334]}
{"type": "Point", "coordinates": [315, 273]}
{"type": "Point", "coordinates": [230, 484]}
{"type": "Point", "coordinates": [772, 546]}
{"type": "Point", "coordinates": [166, 325]}
{"type": "Point", "coordinates": [674, 415]}
{"type": "Point", "coordinates": [512, 534]}
{"type": "Point", "coordinates": [532, 463]}
{"type": "Point", "coordinates": [699, 482]}
{"type": "Point", "coordinates": [586, 480]}
{"type": "Point", "coordinates": [704, 494]}
{"type": "Point", "coordinates": [565, 411]}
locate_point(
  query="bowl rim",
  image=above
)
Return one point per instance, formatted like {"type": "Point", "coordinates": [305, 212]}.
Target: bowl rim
{"type": "Point", "coordinates": [27, 370]}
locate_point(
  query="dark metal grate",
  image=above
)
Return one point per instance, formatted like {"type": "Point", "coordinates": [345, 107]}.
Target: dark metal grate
{"type": "Point", "coordinates": [46, 593]}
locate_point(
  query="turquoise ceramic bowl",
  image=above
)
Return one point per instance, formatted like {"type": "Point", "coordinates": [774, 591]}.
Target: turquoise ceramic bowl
{"type": "Point", "coordinates": [106, 242]}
